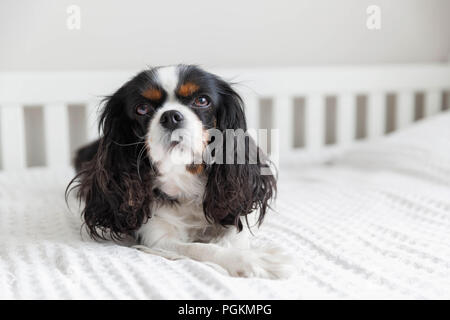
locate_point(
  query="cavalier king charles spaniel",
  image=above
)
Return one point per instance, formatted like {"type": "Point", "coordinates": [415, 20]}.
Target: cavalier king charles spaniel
{"type": "Point", "coordinates": [148, 176]}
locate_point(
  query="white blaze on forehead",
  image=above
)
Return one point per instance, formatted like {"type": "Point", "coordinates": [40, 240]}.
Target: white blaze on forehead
{"type": "Point", "coordinates": [168, 79]}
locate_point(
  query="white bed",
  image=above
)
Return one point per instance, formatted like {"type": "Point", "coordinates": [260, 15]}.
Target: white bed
{"type": "Point", "coordinates": [364, 218]}
{"type": "Point", "coordinates": [373, 222]}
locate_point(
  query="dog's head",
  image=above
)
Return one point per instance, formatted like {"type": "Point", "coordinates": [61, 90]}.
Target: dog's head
{"type": "Point", "coordinates": [171, 114]}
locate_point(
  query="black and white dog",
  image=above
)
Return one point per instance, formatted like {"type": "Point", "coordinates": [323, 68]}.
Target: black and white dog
{"type": "Point", "coordinates": [139, 180]}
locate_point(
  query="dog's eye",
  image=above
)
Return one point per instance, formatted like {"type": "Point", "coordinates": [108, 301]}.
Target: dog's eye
{"type": "Point", "coordinates": [202, 101]}
{"type": "Point", "coordinates": [142, 109]}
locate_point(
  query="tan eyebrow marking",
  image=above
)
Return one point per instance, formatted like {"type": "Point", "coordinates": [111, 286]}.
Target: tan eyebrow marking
{"type": "Point", "coordinates": [152, 94]}
{"type": "Point", "coordinates": [195, 168]}
{"type": "Point", "coordinates": [188, 89]}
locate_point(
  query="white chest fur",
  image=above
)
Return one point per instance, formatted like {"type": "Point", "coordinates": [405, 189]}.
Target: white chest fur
{"type": "Point", "coordinates": [184, 220]}
{"type": "Point", "coordinates": [177, 182]}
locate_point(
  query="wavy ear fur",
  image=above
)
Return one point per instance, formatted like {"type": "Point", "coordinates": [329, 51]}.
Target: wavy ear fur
{"type": "Point", "coordinates": [115, 184]}
{"type": "Point", "coordinates": [235, 190]}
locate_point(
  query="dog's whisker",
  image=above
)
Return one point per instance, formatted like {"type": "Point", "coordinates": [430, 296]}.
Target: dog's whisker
{"type": "Point", "coordinates": [141, 152]}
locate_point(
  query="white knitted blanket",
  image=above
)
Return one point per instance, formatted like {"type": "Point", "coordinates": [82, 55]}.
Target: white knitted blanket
{"type": "Point", "coordinates": [374, 223]}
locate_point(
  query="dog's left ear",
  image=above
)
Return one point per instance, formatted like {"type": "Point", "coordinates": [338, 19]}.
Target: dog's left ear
{"type": "Point", "coordinates": [235, 190]}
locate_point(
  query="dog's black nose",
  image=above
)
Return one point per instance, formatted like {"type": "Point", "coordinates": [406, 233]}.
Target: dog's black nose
{"type": "Point", "coordinates": [171, 119]}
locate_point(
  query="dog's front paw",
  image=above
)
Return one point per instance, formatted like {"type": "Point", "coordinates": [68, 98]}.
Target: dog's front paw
{"type": "Point", "coordinates": [267, 263]}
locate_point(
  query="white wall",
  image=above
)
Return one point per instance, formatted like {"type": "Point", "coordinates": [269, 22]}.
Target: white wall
{"type": "Point", "coordinates": [131, 34]}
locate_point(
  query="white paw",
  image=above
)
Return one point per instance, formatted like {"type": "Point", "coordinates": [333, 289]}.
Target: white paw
{"type": "Point", "coordinates": [269, 263]}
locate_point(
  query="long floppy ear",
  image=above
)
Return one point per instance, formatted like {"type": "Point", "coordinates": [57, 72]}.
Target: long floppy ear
{"type": "Point", "coordinates": [117, 199]}
{"type": "Point", "coordinates": [235, 190]}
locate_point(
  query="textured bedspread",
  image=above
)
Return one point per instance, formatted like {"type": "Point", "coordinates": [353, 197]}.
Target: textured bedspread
{"type": "Point", "coordinates": [373, 223]}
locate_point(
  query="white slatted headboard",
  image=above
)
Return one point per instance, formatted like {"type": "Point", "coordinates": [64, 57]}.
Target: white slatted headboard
{"type": "Point", "coordinates": [284, 99]}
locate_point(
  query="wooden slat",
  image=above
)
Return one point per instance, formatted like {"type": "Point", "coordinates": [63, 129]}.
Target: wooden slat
{"type": "Point", "coordinates": [405, 109]}
{"type": "Point", "coordinates": [56, 121]}
{"type": "Point", "coordinates": [283, 114]}
{"type": "Point", "coordinates": [13, 136]}
{"type": "Point", "coordinates": [346, 118]}
{"type": "Point", "coordinates": [376, 114]}
{"type": "Point", "coordinates": [432, 102]}
{"type": "Point", "coordinates": [314, 122]}
{"type": "Point", "coordinates": [446, 105]}
{"type": "Point", "coordinates": [92, 114]}
{"type": "Point", "coordinates": [75, 86]}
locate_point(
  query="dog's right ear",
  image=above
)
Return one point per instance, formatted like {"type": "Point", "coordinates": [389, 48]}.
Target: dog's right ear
{"type": "Point", "coordinates": [115, 183]}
